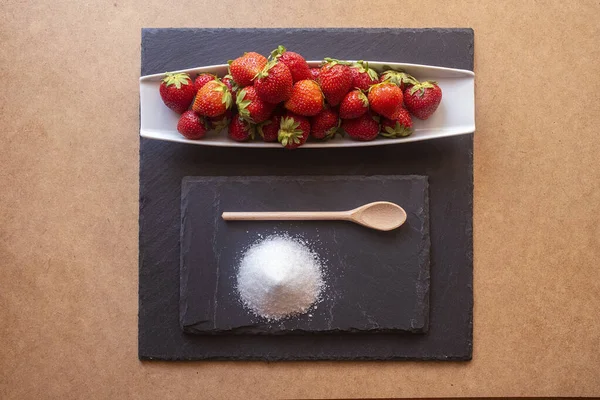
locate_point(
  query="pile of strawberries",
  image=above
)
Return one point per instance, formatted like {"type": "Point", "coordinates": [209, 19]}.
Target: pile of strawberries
{"type": "Point", "coordinates": [282, 99]}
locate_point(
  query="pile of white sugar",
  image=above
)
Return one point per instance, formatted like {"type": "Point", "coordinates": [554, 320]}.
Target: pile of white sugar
{"type": "Point", "coordinates": [279, 277]}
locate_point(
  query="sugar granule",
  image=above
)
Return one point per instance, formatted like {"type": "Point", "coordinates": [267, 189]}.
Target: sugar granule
{"type": "Point", "coordinates": [279, 277]}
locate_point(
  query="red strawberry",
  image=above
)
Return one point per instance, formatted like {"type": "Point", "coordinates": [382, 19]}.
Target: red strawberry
{"type": "Point", "coordinates": [398, 78]}
{"type": "Point", "coordinates": [177, 91]}
{"type": "Point", "coordinates": [191, 125]}
{"type": "Point", "coordinates": [269, 130]}
{"type": "Point", "coordinates": [385, 99]}
{"type": "Point", "coordinates": [221, 122]}
{"type": "Point", "coordinates": [233, 87]}
{"type": "Point", "coordinates": [306, 99]}
{"type": "Point", "coordinates": [315, 72]}
{"type": "Point", "coordinates": [295, 62]}
{"type": "Point", "coordinates": [423, 99]}
{"type": "Point", "coordinates": [354, 105]}
{"type": "Point", "coordinates": [243, 69]}
{"type": "Point", "coordinates": [363, 76]}
{"type": "Point", "coordinates": [240, 130]}
{"type": "Point", "coordinates": [336, 81]}
{"type": "Point", "coordinates": [399, 126]}
{"type": "Point", "coordinates": [202, 79]}
{"type": "Point", "coordinates": [363, 128]}
{"type": "Point", "coordinates": [325, 124]}
{"type": "Point", "coordinates": [251, 107]}
{"type": "Point", "coordinates": [274, 83]}
{"type": "Point", "coordinates": [293, 130]}
{"type": "Point", "coordinates": [213, 99]}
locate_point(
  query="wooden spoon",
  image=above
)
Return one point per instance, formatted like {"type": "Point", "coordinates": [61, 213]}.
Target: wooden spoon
{"type": "Point", "coordinates": [381, 215]}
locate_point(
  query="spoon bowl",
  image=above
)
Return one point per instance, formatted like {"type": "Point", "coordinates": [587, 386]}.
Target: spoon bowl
{"type": "Point", "coordinates": [380, 215]}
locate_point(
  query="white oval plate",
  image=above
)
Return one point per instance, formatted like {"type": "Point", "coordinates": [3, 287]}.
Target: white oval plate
{"type": "Point", "coordinates": [454, 116]}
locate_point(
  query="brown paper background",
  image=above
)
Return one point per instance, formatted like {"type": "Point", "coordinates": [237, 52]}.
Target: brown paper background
{"type": "Point", "coordinates": [69, 202]}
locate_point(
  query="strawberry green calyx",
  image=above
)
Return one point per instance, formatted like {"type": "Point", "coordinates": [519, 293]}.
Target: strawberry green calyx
{"type": "Point", "coordinates": [360, 65]}
{"type": "Point", "coordinates": [259, 128]}
{"type": "Point", "coordinates": [332, 61]}
{"type": "Point", "coordinates": [363, 66]}
{"type": "Point", "coordinates": [176, 79]}
{"type": "Point", "coordinates": [364, 99]}
{"type": "Point", "coordinates": [399, 77]}
{"type": "Point", "coordinates": [421, 86]}
{"type": "Point", "coordinates": [398, 130]}
{"type": "Point", "coordinates": [221, 124]}
{"type": "Point", "coordinates": [234, 85]}
{"type": "Point", "coordinates": [289, 132]}
{"type": "Point", "coordinates": [251, 129]}
{"type": "Point", "coordinates": [265, 71]}
{"type": "Point", "coordinates": [372, 74]}
{"type": "Point", "coordinates": [242, 105]}
{"type": "Point", "coordinates": [331, 132]}
{"type": "Point", "coordinates": [226, 96]}
{"type": "Point", "coordinates": [377, 85]}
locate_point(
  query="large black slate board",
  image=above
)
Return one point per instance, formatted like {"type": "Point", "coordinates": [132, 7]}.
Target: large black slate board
{"type": "Point", "coordinates": [448, 162]}
{"type": "Point", "coordinates": [375, 281]}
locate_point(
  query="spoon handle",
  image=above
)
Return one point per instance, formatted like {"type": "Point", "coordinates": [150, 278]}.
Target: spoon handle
{"type": "Point", "coordinates": [286, 216]}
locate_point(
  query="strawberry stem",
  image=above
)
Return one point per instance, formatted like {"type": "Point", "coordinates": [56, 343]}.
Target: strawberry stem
{"type": "Point", "coordinates": [278, 52]}
{"type": "Point", "coordinates": [265, 71]}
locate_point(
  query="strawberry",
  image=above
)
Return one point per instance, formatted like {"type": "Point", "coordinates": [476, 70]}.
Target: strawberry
{"type": "Point", "coordinates": [336, 80]}
{"type": "Point", "coordinates": [220, 122]}
{"type": "Point", "coordinates": [233, 87]}
{"type": "Point", "coordinates": [177, 91]}
{"type": "Point", "coordinates": [354, 105]}
{"type": "Point", "coordinates": [269, 129]}
{"type": "Point", "coordinates": [240, 130]}
{"type": "Point", "coordinates": [274, 83]}
{"type": "Point", "coordinates": [295, 62]}
{"type": "Point", "coordinates": [398, 78]}
{"type": "Point", "coordinates": [213, 99]}
{"type": "Point", "coordinates": [385, 98]}
{"type": "Point", "coordinates": [243, 69]}
{"type": "Point", "coordinates": [363, 128]}
{"type": "Point", "coordinates": [423, 99]}
{"type": "Point", "coordinates": [202, 79]}
{"type": "Point", "coordinates": [191, 125]}
{"type": "Point", "coordinates": [293, 130]}
{"type": "Point", "coordinates": [315, 72]}
{"type": "Point", "coordinates": [325, 124]}
{"type": "Point", "coordinates": [363, 76]}
{"type": "Point", "coordinates": [251, 107]}
{"type": "Point", "coordinates": [306, 99]}
{"type": "Point", "coordinates": [399, 126]}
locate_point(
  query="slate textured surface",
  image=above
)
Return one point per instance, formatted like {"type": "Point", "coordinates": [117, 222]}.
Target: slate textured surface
{"type": "Point", "coordinates": [374, 281]}
{"type": "Point", "coordinates": [448, 162]}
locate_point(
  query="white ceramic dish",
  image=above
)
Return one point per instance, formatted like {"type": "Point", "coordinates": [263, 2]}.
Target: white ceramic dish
{"type": "Point", "coordinates": [454, 116]}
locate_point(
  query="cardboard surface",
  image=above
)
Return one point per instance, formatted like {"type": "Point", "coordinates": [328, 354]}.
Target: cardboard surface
{"type": "Point", "coordinates": [69, 204]}
{"type": "Point", "coordinates": [447, 162]}
{"type": "Point", "coordinates": [359, 264]}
